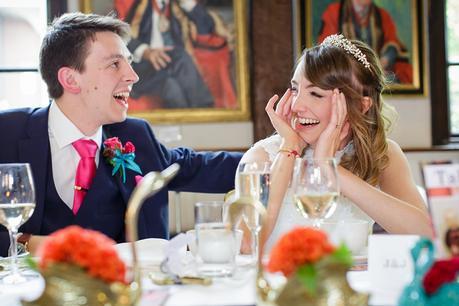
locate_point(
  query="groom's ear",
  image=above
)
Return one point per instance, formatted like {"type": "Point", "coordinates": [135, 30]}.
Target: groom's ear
{"type": "Point", "coordinates": [67, 78]}
{"type": "Point", "coordinates": [367, 102]}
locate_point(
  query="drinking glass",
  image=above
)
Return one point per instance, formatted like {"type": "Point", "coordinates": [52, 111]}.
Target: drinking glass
{"type": "Point", "coordinates": [215, 240]}
{"type": "Point", "coordinates": [316, 188]}
{"type": "Point", "coordinates": [253, 181]}
{"type": "Point", "coordinates": [17, 203]}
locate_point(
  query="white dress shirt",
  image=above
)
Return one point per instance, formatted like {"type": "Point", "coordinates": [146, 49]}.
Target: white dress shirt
{"type": "Point", "coordinates": [64, 158]}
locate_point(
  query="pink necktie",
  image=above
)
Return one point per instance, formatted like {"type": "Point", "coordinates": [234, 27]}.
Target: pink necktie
{"type": "Point", "coordinates": [85, 172]}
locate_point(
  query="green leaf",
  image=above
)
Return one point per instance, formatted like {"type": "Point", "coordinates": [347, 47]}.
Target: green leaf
{"type": "Point", "coordinates": [31, 262]}
{"type": "Point", "coordinates": [342, 255]}
{"type": "Point", "coordinates": [307, 275]}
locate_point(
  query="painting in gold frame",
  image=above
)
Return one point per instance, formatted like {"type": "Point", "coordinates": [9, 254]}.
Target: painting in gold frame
{"type": "Point", "coordinates": [397, 25]}
{"type": "Point", "coordinates": [219, 56]}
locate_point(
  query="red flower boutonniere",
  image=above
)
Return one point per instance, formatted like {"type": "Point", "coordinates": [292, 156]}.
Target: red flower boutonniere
{"type": "Point", "coordinates": [120, 157]}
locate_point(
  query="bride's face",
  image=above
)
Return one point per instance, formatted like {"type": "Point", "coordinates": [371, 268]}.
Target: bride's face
{"type": "Point", "coordinates": [311, 107]}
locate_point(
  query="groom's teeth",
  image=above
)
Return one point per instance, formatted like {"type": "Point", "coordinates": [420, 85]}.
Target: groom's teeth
{"type": "Point", "coordinates": [121, 95]}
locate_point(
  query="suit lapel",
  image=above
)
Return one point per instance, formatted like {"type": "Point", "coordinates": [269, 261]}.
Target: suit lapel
{"type": "Point", "coordinates": [34, 149]}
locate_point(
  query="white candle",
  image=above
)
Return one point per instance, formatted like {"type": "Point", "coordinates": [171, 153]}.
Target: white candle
{"type": "Point", "coordinates": [216, 244]}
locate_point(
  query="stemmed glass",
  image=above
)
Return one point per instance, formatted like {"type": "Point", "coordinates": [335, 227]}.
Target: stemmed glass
{"type": "Point", "coordinates": [316, 188]}
{"type": "Point", "coordinates": [252, 181]}
{"type": "Point", "coordinates": [17, 203]}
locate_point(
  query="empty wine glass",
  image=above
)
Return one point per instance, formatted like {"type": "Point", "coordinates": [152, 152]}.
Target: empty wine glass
{"type": "Point", "coordinates": [253, 180]}
{"type": "Point", "coordinates": [17, 203]}
{"type": "Point", "coordinates": [316, 188]}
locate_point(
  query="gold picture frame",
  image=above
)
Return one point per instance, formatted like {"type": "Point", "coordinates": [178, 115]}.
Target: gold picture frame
{"type": "Point", "coordinates": [393, 18]}
{"type": "Point", "coordinates": [239, 109]}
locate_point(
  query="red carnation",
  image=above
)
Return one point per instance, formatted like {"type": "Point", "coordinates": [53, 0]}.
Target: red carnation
{"type": "Point", "coordinates": [129, 147]}
{"type": "Point", "coordinates": [113, 143]}
{"type": "Point", "coordinates": [442, 271]}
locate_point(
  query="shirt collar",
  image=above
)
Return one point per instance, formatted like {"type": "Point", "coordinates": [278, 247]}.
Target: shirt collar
{"type": "Point", "coordinates": [64, 131]}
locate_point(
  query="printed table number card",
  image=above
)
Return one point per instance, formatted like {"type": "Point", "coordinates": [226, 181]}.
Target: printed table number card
{"type": "Point", "coordinates": [441, 181]}
{"type": "Point", "coordinates": [390, 266]}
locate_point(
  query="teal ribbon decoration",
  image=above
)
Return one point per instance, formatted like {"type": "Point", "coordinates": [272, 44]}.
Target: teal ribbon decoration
{"type": "Point", "coordinates": [122, 162]}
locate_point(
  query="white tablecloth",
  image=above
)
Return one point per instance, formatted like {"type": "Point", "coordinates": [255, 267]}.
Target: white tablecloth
{"type": "Point", "coordinates": [239, 290]}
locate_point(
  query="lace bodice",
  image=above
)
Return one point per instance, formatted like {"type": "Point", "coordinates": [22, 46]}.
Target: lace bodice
{"type": "Point", "coordinates": [289, 217]}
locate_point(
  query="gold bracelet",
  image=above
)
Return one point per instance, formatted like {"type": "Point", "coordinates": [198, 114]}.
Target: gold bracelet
{"type": "Point", "coordinates": [289, 152]}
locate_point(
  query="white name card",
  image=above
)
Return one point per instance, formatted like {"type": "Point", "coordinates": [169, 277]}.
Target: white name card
{"type": "Point", "coordinates": [441, 175]}
{"type": "Point", "coordinates": [442, 184]}
{"type": "Point", "coordinates": [390, 266]}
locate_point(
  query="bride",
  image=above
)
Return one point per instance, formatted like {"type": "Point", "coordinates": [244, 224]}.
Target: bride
{"type": "Point", "coordinates": [334, 109]}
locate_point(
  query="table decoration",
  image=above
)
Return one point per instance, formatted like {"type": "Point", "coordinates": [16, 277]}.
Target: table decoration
{"type": "Point", "coordinates": [81, 267]}
{"type": "Point", "coordinates": [315, 272]}
{"type": "Point", "coordinates": [434, 282]}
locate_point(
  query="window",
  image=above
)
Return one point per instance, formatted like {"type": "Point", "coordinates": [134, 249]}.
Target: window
{"type": "Point", "coordinates": [452, 63]}
{"type": "Point", "coordinates": [22, 26]}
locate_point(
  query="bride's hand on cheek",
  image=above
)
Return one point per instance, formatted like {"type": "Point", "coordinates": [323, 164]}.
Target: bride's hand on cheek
{"type": "Point", "coordinates": [337, 129]}
{"type": "Point", "coordinates": [281, 120]}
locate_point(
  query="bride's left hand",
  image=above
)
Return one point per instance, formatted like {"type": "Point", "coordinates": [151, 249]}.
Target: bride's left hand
{"type": "Point", "coordinates": [337, 129]}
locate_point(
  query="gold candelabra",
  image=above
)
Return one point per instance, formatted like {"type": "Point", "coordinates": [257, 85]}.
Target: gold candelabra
{"type": "Point", "coordinates": [67, 284]}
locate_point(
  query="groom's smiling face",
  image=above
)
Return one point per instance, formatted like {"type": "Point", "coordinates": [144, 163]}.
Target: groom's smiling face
{"type": "Point", "coordinates": [106, 79]}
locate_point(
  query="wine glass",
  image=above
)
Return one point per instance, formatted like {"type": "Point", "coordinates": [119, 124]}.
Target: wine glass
{"type": "Point", "coordinates": [252, 181]}
{"type": "Point", "coordinates": [17, 203]}
{"type": "Point", "coordinates": [316, 188]}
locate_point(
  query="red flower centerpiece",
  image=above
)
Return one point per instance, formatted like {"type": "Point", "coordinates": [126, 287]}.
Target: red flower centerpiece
{"type": "Point", "coordinates": [315, 270]}
{"type": "Point", "coordinates": [300, 247]}
{"type": "Point", "coordinates": [88, 249]}
{"type": "Point", "coordinates": [82, 267]}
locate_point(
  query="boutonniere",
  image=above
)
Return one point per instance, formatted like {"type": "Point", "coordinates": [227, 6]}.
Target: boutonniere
{"type": "Point", "coordinates": [121, 158]}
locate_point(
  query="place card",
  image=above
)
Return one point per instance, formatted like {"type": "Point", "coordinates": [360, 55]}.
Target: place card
{"type": "Point", "coordinates": [441, 180]}
{"type": "Point", "coordinates": [390, 266]}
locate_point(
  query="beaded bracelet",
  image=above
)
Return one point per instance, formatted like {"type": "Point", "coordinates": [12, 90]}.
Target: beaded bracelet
{"type": "Point", "coordinates": [290, 152]}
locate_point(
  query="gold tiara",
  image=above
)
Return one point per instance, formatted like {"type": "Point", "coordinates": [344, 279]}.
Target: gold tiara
{"type": "Point", "coordinates": [338, 40]}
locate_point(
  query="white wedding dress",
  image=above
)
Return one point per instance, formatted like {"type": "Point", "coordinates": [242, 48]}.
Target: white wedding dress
{"type": "Point", "coordinates": [289, 217]}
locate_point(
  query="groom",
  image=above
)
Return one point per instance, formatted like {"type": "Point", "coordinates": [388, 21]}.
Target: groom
{"type": "Point", "coordinates": [86, 66]}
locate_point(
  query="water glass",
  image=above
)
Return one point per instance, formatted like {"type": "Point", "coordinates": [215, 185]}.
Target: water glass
{"type": "Point", "coordinates": [216, 242]}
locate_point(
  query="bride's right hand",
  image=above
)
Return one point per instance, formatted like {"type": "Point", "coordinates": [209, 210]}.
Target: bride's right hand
{"type": "Point", "coordinates": [281, 120]}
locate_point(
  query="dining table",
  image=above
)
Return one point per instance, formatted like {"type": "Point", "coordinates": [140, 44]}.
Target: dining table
{"type": "Point", "coordinates": [238, 290]}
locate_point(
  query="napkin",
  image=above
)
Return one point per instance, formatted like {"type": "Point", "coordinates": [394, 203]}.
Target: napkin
{"type": "Point", "coordinates": [150, 251]}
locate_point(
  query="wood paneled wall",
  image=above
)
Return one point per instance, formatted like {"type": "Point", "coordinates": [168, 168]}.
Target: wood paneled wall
{"type": "Point", "coordinates": [271, 43]}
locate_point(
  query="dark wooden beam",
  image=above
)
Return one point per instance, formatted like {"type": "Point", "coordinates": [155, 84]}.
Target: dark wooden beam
{"type": "Point", "coordinates": [438, 73]}
{"type": "Point", "coordinates": [272, 57]}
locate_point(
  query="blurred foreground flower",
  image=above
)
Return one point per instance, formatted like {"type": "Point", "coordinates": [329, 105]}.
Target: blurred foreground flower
{"type": "Point", "coordinates": [88, 249]}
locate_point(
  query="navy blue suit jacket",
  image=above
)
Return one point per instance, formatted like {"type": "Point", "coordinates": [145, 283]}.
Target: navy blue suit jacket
{"type": "Point", "coordinates": [24, 133]}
